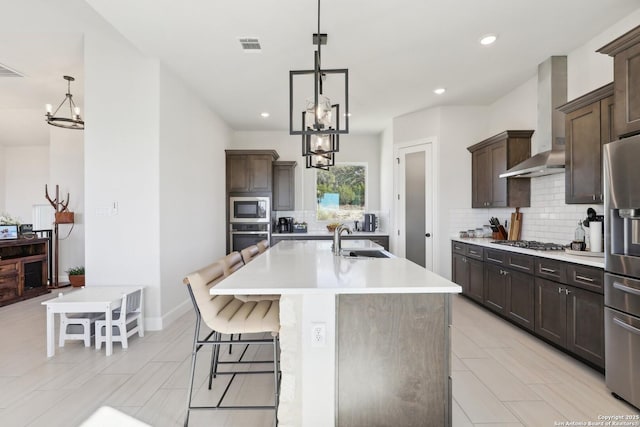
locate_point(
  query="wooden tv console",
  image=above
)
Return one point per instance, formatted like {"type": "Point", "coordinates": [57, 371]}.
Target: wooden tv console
{"type": "Point", "coordinates": [23, 269]}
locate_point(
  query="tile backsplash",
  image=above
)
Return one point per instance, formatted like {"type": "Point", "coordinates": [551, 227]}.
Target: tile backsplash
{"type": "Point", "coordinates": [548, 219]}
{"type": "Point", "coordinates": [313, 224]}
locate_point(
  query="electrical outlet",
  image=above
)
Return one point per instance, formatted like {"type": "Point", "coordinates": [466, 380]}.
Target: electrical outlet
{"type": "Point", "coordinates": [318, 335]}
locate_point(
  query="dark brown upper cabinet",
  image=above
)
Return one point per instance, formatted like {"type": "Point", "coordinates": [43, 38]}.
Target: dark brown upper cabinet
{"type": "Point", "coordinates": [588, 126]}
{"type": "Point", "coordinates": [492, 157]}
{"type": "Point", "coordinates": [625, 51]}
{"type": "Point", "coordinates": [284, 189]}
{"type": "Point", "coordinates": [250, 171]}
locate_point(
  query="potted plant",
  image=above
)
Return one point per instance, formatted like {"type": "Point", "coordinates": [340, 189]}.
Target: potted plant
{"type": "Point", "coordinates": [76, 276]}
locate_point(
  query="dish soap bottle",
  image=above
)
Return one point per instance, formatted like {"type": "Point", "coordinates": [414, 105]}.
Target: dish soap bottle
{"type": "Point", "coordinates": [578, 243]}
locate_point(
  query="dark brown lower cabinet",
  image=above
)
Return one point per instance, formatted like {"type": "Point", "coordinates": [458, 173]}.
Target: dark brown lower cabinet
{"type": "Point", "coordinates": [551, 311]}
{"type": "Point", "coordinates": [585, 325]}
{"type": "Point", "coordinates": [495, 288]}
{"type": "Point", "coordinates": [537, 299]}
{"type": "Point", "coordinates": [510, 293]}
{"type": "Point", "coordinates": [520, 298]}
{"type": "Point", "coordinates": [469, 274]}
{"type": "Point", "coordinates": [572, 318]}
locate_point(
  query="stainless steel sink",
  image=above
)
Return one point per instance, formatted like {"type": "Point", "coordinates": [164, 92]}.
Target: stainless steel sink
{"type": "Point", "coordinates": [361, 253]}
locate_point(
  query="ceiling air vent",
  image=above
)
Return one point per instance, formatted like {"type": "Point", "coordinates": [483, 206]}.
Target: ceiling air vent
{"type": "Point", "coordinates": [8, 72]}
{"type": "Point", "coordinates": [250, 44]}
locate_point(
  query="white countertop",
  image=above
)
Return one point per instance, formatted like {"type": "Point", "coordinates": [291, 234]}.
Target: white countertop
{"type": "Point", "coordinates": [309, 266]}
{"type": "Point", "coordinates": [559, 255]}
{"type": "Point", "coordinates": [329, 234]}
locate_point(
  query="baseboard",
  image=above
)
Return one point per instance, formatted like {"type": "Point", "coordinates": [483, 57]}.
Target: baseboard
{"type": "Point", "coordinates": [159, 323]}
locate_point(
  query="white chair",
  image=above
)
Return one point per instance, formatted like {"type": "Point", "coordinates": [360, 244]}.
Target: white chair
{"type": "Point", "coordinates": [122, 324]}
{"type": "Point", "coordinates": [224, 314]}
{"type": "Point", "coordinates": [78, 326]}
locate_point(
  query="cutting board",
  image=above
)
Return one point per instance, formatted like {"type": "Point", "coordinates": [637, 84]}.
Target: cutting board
{"type": "Point", "coordinates": [515, 228]}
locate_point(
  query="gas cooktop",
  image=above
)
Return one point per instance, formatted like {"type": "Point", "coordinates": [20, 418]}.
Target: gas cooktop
{"type": "Point", "coordinates": [531, 244]}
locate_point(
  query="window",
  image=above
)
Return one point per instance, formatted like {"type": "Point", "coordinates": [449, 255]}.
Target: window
{"type": "Point", "coordinates": [341, 192]}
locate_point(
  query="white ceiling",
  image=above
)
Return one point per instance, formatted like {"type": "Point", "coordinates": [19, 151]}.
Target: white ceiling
{"type": "Point", "coordinates": [397, 52]}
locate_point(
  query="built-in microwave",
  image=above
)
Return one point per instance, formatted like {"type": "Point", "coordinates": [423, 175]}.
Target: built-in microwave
{"type": "Point", "coordinates": [249, 209]}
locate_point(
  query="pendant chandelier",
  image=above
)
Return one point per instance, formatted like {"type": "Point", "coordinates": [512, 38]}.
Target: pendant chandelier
{"type": "Point", "coordinates": [73, 121]}
{"type": "Point", "coordinates": [320, 124]}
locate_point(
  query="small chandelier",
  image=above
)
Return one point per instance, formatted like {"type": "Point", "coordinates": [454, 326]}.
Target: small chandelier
{"type": "Point", "coordinates": [320, 124]}
{"type": "Point", "coordinates": [74, 121]}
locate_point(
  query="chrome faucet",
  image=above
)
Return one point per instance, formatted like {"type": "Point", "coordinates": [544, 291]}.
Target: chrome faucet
{"type": "Point", "coordinates": [337, 244]}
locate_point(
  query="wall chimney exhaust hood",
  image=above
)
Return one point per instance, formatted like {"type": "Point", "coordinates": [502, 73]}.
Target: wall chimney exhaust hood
{"type": "Point", "coordinates": [552, 93]}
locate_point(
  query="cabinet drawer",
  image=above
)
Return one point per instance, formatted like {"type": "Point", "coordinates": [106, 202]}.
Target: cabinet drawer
{"type": "Point", "coordinates": [476, 252]}
{"type": "Point", "coordinates": [494, 256]}
{"type": "Point", "coordinates": [589, 278]}
{"type": "Point", "coordinates": [551, 269]}
{"type": "Point", "coordinates": [8, 269]}
{"type": "Point", "coordinates": [458, 247]}
{"type": "Point", "coordinates": [8, 288]}
{"type": "Point", "coordinates": [523, 263]}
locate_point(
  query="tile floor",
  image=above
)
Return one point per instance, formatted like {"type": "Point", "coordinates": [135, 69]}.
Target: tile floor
{"type": "Point", "coordinates": [502, 376]}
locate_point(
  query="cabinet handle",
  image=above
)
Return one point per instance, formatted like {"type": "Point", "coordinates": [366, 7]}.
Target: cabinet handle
{"type": "Point", "coordinates": [601, 197]}
{"type": "Point", "coordinates": [519, 266]}
{"type": "Point", "coordinates": [583, 278]}
{"type": "Point", "coordinates": [473, 252]}
{"type": "Point", "coordinates": [593, 197]}
{"type": "Point", "coordinates": [559, 290]}
{"type": "Point", "coordinates": [547, 270]}
{"type": "Point", "coordinates": [495, 260]}
{"type": "Point", "coordinates": [567, 291]}
{"type": "Point", "coordinates": [464, 259]}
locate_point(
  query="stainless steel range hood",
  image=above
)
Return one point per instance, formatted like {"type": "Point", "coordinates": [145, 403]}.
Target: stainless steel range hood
{"type": "Point", "coordinates": [552, 93]}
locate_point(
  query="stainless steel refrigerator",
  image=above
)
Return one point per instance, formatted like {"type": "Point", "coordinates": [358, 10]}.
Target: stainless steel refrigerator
{"type": "Point", "coordinates": [622, 265]}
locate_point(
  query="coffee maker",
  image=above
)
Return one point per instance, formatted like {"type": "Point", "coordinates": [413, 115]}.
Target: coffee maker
{"type": "Point", "coordinates": [369, 223]}
{"type": "Point", "coordinates": [285, 224]}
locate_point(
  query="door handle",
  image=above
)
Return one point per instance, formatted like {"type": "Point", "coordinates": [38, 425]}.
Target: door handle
{"type": "Point", "coordinates": [626, 326]}
{"type": "Point", "coordinates": [627, 289]}
{"type": "Point", "coordinates": [427, 235]}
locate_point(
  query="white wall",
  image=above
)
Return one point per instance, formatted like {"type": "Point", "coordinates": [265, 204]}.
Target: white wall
{"type": "Point", "coordinates": [453, 129]}
{"type": "Point", "coordinates": [66, 169]}
{"type": "Point", "coordinates": [122, 145]}
{"type": "Point", "coordinates": [26, 172]}
{"type": "Point", "coordinates": [590, 70]}
{"type": "Point", "coordinates": [353, 148]}
{"type": "Point", "coordinates": [386, 181]}
{"type": "Point", "coordinates": [548, 218]}
{"type": "Point", "coordinates": [192, 214]}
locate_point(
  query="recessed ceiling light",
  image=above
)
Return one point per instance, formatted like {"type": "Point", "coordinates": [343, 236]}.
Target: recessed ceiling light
{"type": "Point", "coordinates": [488, 39]}
{"type": "Point", "coordinates": [439, 91]}
{"type": "Point", "coordinates": [264, 115]}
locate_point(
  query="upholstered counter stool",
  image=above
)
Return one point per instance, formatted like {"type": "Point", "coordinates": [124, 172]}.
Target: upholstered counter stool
{"type": "Point", "coordinates": [249, 253]}
{"type": "Point", "coordinates": [262, 245]}
{"type": "Point", "coordinates": [225, 314]}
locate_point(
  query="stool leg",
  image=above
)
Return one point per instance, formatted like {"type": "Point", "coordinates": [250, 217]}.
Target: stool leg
{"type": "Point", "coordinates": [193, 370]}
{"type": "Point", "coordinates": [215, 355]}
{"type": "Point", "coordinates": [275, 378]}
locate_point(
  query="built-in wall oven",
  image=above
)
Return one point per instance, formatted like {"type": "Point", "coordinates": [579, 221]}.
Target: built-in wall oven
{"type": "Point", "coordinates": [622, 265]}
{"type": "Point", "coordinates": [249, 221]}
{"type": "Point", "coordinates": [242, 235]}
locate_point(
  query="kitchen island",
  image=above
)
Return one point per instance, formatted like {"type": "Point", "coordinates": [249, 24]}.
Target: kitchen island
{"type": "Point", "coordinates": [364, 341]}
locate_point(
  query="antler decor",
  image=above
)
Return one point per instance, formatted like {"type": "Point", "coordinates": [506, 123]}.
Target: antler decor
{"type": "Point", "coordinates": [62, 216]}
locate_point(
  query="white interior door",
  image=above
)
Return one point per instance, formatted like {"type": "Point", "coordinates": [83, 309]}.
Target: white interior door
{"type": "Point", "coordinates": [414, 203]}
